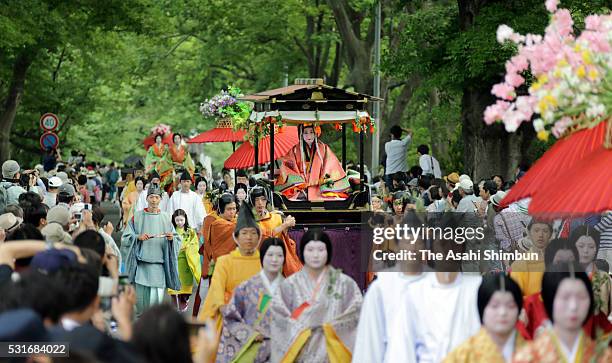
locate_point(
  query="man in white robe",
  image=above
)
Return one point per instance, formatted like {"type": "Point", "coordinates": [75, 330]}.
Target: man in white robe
{"type": "Point", "coordinates": [438, 313]}
{"type": "Point", "coordinates": [189, 201]}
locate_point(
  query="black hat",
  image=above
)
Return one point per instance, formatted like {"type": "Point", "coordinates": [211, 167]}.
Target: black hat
{"type": "Point", "coordinates": [154, 175]}
{"type": "Point", "coordinates": [185, 176]}
{"type": "Point", "coordinates": [154, 189]}
{"type": "Point", "coordinates": [246, 220]}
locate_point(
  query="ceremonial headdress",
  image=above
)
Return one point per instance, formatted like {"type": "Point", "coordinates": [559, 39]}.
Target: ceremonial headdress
{"type": "Point", "coordinates": [154, 189]}
{"type": "Point", "coordinates": [246, 220]}
{"type": "Point", "coordinates": [185, 176]}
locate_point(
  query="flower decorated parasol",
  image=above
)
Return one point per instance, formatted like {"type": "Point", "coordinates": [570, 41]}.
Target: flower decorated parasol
{"type": "Point", "coordinates": [244, 157]}
{"type": "Point", "coordinates": [570, 99]}
{"type": "Point", "coordinates": [157, 130]}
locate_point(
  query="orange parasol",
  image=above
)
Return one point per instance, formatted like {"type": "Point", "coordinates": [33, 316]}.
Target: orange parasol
{"type": "Point", "coordinates": [562, 156]}
{"type": "Point", "coordinates": [244, 157]}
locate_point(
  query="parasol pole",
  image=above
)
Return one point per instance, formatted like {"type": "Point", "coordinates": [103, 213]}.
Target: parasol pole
{"type": "Point", "coordinates": [272, 163]}
{"type": "Point", "coordinates": [256, 146]}
{"type": "Point", "coordinates": [361, 157]}
{"type": "Point", "coordinates": [343, 147]}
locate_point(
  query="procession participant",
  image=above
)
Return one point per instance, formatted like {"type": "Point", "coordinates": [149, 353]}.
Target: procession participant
{"type": "Point", "coordinates": [242, 177]}
{"type": "Point", "coordinates": [586, 239]}
{"type": "Point", "coordinates": [150, 246]}
{"type": "Point", "coordinates": [497, 341]}
{"type": "Point", "coordinates": [528, 273]}
{"type": "Point", "coordinates": [316, 310]}
{"type": "Point", "coordinates": [272, 225]}
{"type": "Point", "coordinates": [377, 204]}
{"type": "Point", "coordinates": [189, 267]}
{"type": "Point", "coordinates": [311, 171]}
{"type": "Point", "coordinates": [201, 186]}
{"type": "Point", "coordinates": [156, 152]}
{"type": "Point", "coordinates": [178, 156]}
{"type": "Point", "coordinates": [234, 268]}
{"type": "Point", "coordinates": [240, 192]}
{"type": "Point", "coordinates": [154, 179]}
{"type": "Point", "coordinates": [382, 301]}
{"type": "Point", "coordinates": [189, 201]}
{"type": "Point", "coordinates": [441, 314]}
{"type": "Point", "coordinates": [568, 299]}
{"type": "Point", "coordinates": [246, 319]}
{"type": "Point", "coordinates": [128, 204]}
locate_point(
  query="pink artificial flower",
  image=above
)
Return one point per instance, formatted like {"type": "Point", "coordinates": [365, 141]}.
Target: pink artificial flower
{"type": "Point", "coordinates": [503, 91]}
{"type": "Point", "coordinates": [560, 126]}
{"type": "Point", "coordinates": [597, 41]}
{"type": "Point", "coordinates": [524, 106]}
{"type": "Point", "coordinates": [520, 61]}
{"type": "Point", "coordinates": [563, 22]}
{"type": "Point", "coordinates": [495, 112]}
{"type": "Point", "coordinates": [512, 120]}
{"type": "Point", "coordinates": [593, 22]}
{"type": "Point", "coordinates": [514, 79]}
{"type": "Point", "coordinates": [551, 5]}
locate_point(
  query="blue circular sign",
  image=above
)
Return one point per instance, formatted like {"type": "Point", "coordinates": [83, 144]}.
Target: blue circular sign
{"type": "Point", "coordinates": [49, 140]}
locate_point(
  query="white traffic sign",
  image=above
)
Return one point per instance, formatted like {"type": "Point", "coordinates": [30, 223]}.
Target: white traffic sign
{"type": "Point", "coordinates": [49, 122]}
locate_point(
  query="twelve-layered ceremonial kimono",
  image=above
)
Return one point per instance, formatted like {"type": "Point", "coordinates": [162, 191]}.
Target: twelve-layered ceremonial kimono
{"type": "Point", "coordinates": [189, 267]}
{"type": "Point", "coordinates": [380, 307]}
{"type": "Point", "coordinates": [434, 319]}
{"type": "Point", "coordinates": [547, 348]}
{"type": "Point", "coordinates": [191, 203]}
{"type": "Point", "coordinates": [244, 318]}
{"type": "Point", "coordinates": [230, 271]}
{"type": "Point", "coordinates": [482, 349]}
{"type": "Point", "coordinates": [315, 321]}
{"type": "Point", "coordinates": [154, 155]}
{"type": "Point", "coordinates": [267, 224]}
{"type": "Point", "coordinates": [152, 264]}
{"type": "Point", "coordinates": [179, 157]}
{"type": "Point", "coordinates": [314, 170]}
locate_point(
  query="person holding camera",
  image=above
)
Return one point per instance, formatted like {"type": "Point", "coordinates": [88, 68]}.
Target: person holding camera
{"type": "Point", "coordinates": [14, 183]}
{"type": "Point", "coordinates": [397, 150]}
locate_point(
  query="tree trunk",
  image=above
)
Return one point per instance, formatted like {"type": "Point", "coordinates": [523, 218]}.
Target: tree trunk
{"type": "Point", "coordinates": [487, 150]}
{"type": "Point", "coordinates": [11, 103]}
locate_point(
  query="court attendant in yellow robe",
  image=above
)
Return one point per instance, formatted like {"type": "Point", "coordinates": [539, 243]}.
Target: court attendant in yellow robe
{"type": "Point", "coordinates": [499, 305]}
{"type": "Point", "coordinates": [233, 269]}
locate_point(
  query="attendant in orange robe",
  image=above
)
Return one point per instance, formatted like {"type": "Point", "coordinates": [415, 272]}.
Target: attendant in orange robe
{"type": "Point", "coordinates": [179, 157]}
{"type": "Point", "coordinates": [272, 225]}
{"type": "Point", "coordinates": [311, 171]}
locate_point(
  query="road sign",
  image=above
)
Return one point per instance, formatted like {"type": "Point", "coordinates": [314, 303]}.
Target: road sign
{"type": "Point", "coordinates": [49, 140]}
{"type": "Point", "coordinates": [49, 122]}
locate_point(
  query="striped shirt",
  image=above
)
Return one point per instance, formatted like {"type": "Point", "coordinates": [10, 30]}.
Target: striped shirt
{"type": "Point", "coordinates": [605, 229]}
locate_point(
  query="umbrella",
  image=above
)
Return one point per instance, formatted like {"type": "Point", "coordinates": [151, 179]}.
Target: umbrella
{"type": "Point", "coordinates": [132, 160]}
{"type": "Point", "coordinates": [564, 154]}
{"type": "Point", "coordinates": [584, 189]}
{"type": "Point", "coordinates": [244, 157]}
{"type": "Point", "coordinates": [150, 140]}
{"type": "Point", "coordinates": [223, 132]}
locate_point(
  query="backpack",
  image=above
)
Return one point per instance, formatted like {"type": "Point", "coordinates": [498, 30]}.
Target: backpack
{"type": "Point", "coordinates": [4, 197]}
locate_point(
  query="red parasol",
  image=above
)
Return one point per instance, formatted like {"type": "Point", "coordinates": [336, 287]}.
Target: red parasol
{"type": "Point", "coordinates": [218, 135]}
{"type": "Point", "coordinates": [224, 132]}
{"type": "Point", "coordinates": [244, 157]}
{"type": "Point", "coordinates": [584, 189]}
{"type": "Point", "coordinates": [562, 156]}
{"type": "Point", "coordinates": [150, 140]}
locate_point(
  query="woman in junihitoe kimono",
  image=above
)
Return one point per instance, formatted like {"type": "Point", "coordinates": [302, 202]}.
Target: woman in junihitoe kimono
{"type": "Point", "coordinates": [179, 157]}
{"type": "Point", "coordinates": [499, 304]}
{"type": "Point", "coordinates": [310, 170]}
{"type": "Point", "coordinates": [315, 311]}
{"type": "Point", "coordinates": [246, 319]}
{"type": "Point", "coordinates": [568, 299]}
{"type": "Point", "coordinates": [157, 161]}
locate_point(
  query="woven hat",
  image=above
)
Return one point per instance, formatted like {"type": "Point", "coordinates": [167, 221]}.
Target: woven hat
{"type": "Point", "coordinates": [59, 214]}
{"type": "Point", "coordinates": [9, 169]}
{"type": "Point", "coordinates": [9, 222]}
{"type": "Point", "coordinates": [55, 182]}
{"type": "Point", "coordinates": [497, 198]}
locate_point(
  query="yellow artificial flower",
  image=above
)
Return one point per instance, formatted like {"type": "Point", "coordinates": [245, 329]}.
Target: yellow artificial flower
{"type": "Point", "coordinates": [546, 102]}
{"type": "Point", "coordinates": [581, 72]}
{"type": "Point", "coordinates": [586, 57]}
{"type": "Point", "coordinates": [562, 63]}
{"type": "Point", "coordinates": [543, 135]}
{"type": "Point", "coordinates": [593, 74]}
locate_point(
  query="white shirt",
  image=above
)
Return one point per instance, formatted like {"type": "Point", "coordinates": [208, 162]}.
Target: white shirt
{"type": "Point", "coordinates": [380, 306]}
{"type": "Point", "coordinates": [191, 203]}
{"type": "Point", "coordinates": [142, 201]}
{"type": "Point", "coordinates": [50, 199]}
{"type": "Point", "coordinates": [396, 151]}
{"type": "Point", "coordinates": [508, 349]}
{"type": "Point", "coordinates": [570, 356]}
{"type": "Point", "coordinates": [430, 165]}
{"type": "Point", "coordinates": [434, 319]}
